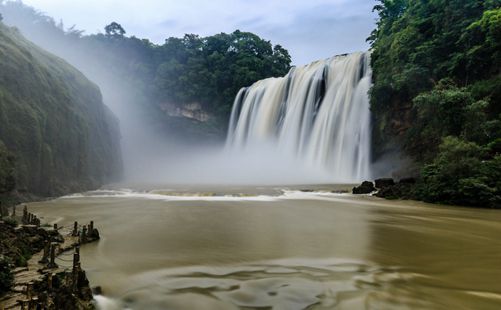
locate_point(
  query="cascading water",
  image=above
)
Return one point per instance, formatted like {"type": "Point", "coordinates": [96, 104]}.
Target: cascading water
{"type": "Point", "coordinates": [318, 114]}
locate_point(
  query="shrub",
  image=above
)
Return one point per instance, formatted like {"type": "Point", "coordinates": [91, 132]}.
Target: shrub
{"type": "Point", "coordinates": [462, 174]}
{"type": "Point", "coordinates": [6, 277]}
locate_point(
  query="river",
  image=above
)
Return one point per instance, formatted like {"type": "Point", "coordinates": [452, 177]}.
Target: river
{"type": "Point", "coordinates": [282, 248]}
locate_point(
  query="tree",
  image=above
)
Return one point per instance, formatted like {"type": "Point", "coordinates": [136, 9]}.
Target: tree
{"type": "Point", "coordinates": [114, 30]}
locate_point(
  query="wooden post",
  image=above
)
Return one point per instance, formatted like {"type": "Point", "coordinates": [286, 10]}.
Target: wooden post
{"type": "Point", "coordinates": [25, 214]}
{"type": "Point", "coordinates": [28, 290]}
{"type": "Point", "coordinates": [45, 256]}
{"type": "Point", "coordinates": [76, 265]}
{"type": "Point", "coordinates": [83, 238]}
{"type": "Point", "coordinates": [49, 281]}
{"type": "Point", "coordinates": [52, 263]}
{"type": "Point", "coordinates": [76, 259]}
{"type": "Point", "coordinates": [91, 227]}
{"type": "Point", "coordinates": [75, 229]}
{"type": "Point", "coordinates": [13, 210]}
{"type": "Point", "coordinates": [55, 226]}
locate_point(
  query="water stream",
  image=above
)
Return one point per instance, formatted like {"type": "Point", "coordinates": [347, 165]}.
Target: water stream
{"type": "Point", "coordinates": [317, 113]}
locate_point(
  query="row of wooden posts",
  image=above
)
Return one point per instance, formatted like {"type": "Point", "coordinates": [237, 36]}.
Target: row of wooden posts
{"type": "Point", "coordinates": [33, 302]}
{"type": "Point", "coordinates": [49, 258]}
{"type": "Point", "coordinates": [28, 218]}
{"type": "Point", "coordinates": [87, 234]}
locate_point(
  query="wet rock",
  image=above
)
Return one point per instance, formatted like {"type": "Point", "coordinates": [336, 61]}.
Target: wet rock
{"type": "Point", "coordinates": [340, 191]}
{"type": "Point", "coordinates": [397, 191]}
{"type": "Point", "coordinates": [366, 187]}
{"type": "Point", "coordinates": [407, 181]}
{"type": "Point", "coordinates": [384, 182]}
{"type": "Point", "coordinates": [97, 290]}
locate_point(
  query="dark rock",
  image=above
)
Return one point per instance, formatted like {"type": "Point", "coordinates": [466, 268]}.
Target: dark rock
{"type": "Point", "coordinates": [397, 191]}
{"type": "Point", "coordinates": [365, 188]}
{"type": "Point", "coordinates": [407, 181]}
{"type": "Point", "coordinates": [97, 290]}
{"type": "Point", "coordinates": [384, 182]}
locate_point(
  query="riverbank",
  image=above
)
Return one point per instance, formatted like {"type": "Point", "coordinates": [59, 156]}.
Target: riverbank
{"type": "Point", "coordinates": [413, 189]}
{"type": "Point", "coordinates": [40, 264]}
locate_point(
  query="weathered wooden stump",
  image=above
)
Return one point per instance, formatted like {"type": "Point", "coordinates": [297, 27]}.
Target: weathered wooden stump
{"type": "Point", "coordinates": [83, 236]}
{"type": "Point", "coordinates": [52, 264]}
{"type": "Point", "coordinates": [45, 256]}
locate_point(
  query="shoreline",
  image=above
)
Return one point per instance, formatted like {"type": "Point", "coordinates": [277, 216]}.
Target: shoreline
{"type": "Point", "coordinates": [52, 278]}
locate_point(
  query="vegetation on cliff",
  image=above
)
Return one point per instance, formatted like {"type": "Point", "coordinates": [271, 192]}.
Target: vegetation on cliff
{"type": "Point", "coordinates": [206, 71]}
{"type": "Point", "coordinates": [437, 93]}
{"type": "Point", "coordinates": [56, 136]}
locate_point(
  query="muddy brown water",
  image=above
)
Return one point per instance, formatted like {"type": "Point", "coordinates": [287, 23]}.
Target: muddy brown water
{"type": "Point", "coordinates": [266, 248]}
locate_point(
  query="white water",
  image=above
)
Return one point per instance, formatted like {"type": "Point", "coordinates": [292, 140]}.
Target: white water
{"type": "Point", "coordinates": [317, 114]}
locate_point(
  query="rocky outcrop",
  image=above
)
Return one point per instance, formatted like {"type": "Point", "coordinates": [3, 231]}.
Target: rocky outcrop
{"type": "Point", "coordinates": [384, 182]}
{"type": "Point", "coordinates": [403, 189]}
{"type": "Point", "coordinates": [365, 188]}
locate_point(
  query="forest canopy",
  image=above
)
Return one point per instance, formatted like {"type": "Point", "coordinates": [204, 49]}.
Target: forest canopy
{"type": "Point", "coordinates": [437, 92]}
{"type": "Point", "coordinates": [207, 71]}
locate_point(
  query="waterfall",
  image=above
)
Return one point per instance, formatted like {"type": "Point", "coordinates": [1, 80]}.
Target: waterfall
{"type": "Point", "coordinates": [318, 114]}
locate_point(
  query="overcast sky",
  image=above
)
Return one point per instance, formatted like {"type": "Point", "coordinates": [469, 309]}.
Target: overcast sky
{"type": "Point", "coordinates": [309, 29]}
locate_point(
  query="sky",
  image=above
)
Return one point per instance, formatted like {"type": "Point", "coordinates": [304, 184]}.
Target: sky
{"type": "Point", "coordinates": [309, 29]}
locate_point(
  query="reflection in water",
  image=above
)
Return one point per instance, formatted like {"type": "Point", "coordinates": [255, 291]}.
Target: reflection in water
{"type": "Point", "coordinates": [284, 251]}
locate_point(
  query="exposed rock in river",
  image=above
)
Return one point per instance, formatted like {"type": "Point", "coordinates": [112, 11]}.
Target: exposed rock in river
{"type": "Point", "coordinates": [365, 188]}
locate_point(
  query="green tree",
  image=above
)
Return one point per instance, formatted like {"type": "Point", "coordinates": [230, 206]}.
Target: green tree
{"type": "Point", "coordinates": [114, 30]}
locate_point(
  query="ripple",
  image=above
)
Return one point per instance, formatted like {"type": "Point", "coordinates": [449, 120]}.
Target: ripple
{"type": "Point", "coordinates": [278, 285]}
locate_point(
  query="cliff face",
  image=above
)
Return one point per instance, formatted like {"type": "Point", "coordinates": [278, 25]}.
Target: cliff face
{"type": "Point", "coordinates": [53, 121]}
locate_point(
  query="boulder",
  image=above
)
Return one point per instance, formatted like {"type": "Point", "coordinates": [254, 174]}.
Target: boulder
{"type": "Point", "coordinates": [97, 290]}
{"type": "Point", "coordinates": [407, 181]}
{"type": "Point", "coordinates": [384, 182]}
{"type": "Point", "coordinates": [365, 188]}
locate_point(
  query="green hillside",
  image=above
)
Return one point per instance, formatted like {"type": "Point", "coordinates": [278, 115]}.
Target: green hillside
{"type": "Point", "coordinates": [53, 123]}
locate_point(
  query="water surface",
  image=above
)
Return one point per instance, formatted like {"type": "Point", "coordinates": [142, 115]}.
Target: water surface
{"type": "Point", "coordinates": [266, 248]}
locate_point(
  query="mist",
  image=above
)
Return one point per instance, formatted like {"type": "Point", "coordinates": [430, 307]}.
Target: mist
{"type": "Point", "coordinates": [155, 151]}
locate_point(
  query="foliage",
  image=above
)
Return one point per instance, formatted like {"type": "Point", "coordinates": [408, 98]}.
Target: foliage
{"type": "Point", "coordinates": [10, 221]}
{"type": "Point", "coordinates": [211, 70]}
{"type": "Point", "coordinates": [205, 70]}
{"type": "Point", "coordinates": [418, 43]}
{"type": "Point", "coordinates": [448, 110]}
{"type": "Point", "coordinates": [6, 277]}
{"type": "Point", "coordinates": [114, 30]}
{"type": "Point", "coordinates": [461, 174]}
{"type": "Point", "coordinates": [436, 91]}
